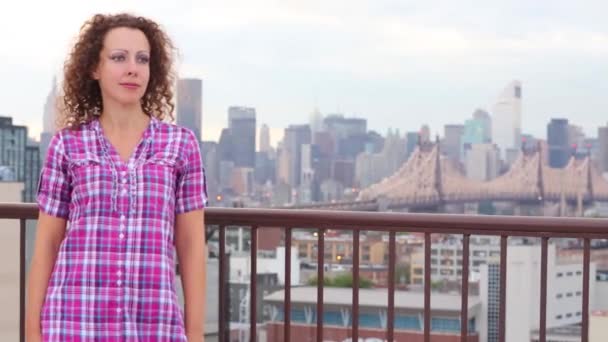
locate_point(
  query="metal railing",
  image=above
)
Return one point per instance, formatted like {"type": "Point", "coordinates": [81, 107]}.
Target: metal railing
{"type": "Point", "coordinates": [427, 224]}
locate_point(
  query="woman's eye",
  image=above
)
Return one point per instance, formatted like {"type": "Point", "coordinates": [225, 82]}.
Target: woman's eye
{"type": "Point", "coordinates": [143, 59]}
{"type": "Point", "coordinates": [118, 58]}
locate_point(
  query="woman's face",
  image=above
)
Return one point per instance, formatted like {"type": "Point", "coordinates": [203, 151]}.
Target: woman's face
{"type": "Point", "coordinates": [123, 70]}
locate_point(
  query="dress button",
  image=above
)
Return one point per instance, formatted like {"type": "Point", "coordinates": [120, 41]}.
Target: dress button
{"type": "Point", "coordinates": [124, 191]}
{"type": "Point", "coordinates": [119, 273]}
{"type": "Point", "coordinates": [124, 181]}
{"type": "Point", "coordinates": [119, 310]}
{"type": "Point", "coordinates": [122, 236]}
{"type": "Point", "coordinates": [119, 283]}
{"type": "Point", "coordinates": [122, 217]}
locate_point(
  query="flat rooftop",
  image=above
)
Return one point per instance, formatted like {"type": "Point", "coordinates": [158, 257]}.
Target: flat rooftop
{"type": "Point", "coordinates": [374, 298]}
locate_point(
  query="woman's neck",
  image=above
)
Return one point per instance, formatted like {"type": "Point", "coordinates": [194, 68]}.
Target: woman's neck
{"type": "Point", "coordinates": [123, 119]}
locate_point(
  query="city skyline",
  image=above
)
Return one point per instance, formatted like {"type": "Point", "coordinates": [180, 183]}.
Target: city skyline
{"type": "Point", "coordinates": [420, 65]}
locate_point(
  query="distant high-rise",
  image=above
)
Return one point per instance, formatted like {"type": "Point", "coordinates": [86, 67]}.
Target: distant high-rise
{"type": "Point", "coordinates": [477, 130]}
{"type": "Point", "coordinates": [453, 141]}
{"type": "Point", "coordinates": [49, 118]}
{"type": "Point", "coordinates": [482, 116]}
{"type": "Point", "coordinates": [264, 139]}
{"type": "Point", "coordinates": [559, 146]}
{"type": "Point", "coordinates": [506, 119]}
{"type": "Point", "coordinates": [411, 139]}
{"type": "Point", "coordinates": [602, 136]}
{"type": "Point", "coordinates": [316, 122]}
{"type": "Point", "coordinates": [341, 127]}
{"type": "Point", "coordinates": [482, 162]}
{"type": "Point", "coordinates": [242, 125]}
{"type": "Point", "coordinates": [22, 160]}
{"type": "Point", "coordinates": [189, 104]}
{"type": "Point", "coordinates": [295, 137]}
{"type": "Point", "coordinates": [425, 134]}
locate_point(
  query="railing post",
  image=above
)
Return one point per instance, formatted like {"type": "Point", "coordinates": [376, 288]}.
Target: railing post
{"type": "Point", "coordinates": [542, 333]}
{"type": "Point", "coordinates": [391, 286]}
{"type": "Point", "coordinates": [427, 287]}
{"type": "Point", "coordinates": [287, 299]}
{"type": "Point", "coordinates": [586, 275]}
{"type": "Point", "coordinates": [320, 281]}
{"type": "Point", "coordinates": [464, 307]}
{"type": "Point", "coordinates": [356, 280]}
{"type": "Point", "coordinates": [223, 285]}
{"type": "Point", "coordinates": [502, 321]}
{"type": "Point", "coordinates": [253, 296]}
{"type": "Point", "coordinates": [22, 267]}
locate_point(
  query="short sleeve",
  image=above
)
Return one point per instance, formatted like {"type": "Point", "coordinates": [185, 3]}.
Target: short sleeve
{"type": "Point", "coordinates": [191, 190]}
{"type": "Point", "coordinates": [54, 188]}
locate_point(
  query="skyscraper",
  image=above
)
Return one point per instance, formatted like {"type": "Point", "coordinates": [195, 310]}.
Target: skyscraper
{"type": "Point", "coordinates": [295, 137]}
{"type": "Point", "coordinates": [22, 160]}
{"type": "Point", "coordinates": [602, 135]}
{"type": "Point", "coordinates": [506, 119]}
{"type": "Point", "coordinates": [189, 104]}
{"type": "Point", "coordinates": [559, 146]}
{"type": "Point", "coordinates": [482, 162]}
{"type": "Point", "coordinates": [49, 118]}
{"type": "Point", "coordinates": [264, 139]}
{"type": "Point", "coordinates": [425, 134]}
{"type": "Point", "coordinates": [484, 118]}
{"type": "Point", "coordinates": [242, 125]}
{"type": "Point", "coordinates": [316, 122]}
{"type": "Point", "coordinates": [453, 141]}
{"type": "Point", "coordinates": [411, 139]}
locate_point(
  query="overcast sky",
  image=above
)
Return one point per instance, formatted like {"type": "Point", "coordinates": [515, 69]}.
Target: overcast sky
{"type": "Point", "coordinates": [399, 64]}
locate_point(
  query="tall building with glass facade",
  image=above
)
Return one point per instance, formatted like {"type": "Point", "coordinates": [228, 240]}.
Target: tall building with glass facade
{"type": "Point", "coordinates": [190, 104]}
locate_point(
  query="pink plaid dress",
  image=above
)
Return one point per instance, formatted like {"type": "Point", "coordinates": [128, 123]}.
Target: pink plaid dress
{"type": "Point", "coordinates": [114, 275]}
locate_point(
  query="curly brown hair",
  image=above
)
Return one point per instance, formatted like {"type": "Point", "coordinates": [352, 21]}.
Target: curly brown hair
{"type": "Point", "coordinates": [82, 94]}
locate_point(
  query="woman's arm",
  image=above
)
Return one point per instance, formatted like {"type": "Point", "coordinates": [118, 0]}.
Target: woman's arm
{"type": "Point", "coordinates": [50, 233]}
{"type": "Point", "coordinates": [191, 252]}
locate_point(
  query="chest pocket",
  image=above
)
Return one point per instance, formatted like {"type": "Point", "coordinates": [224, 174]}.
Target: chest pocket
{"type": "Point", "coordinates": [91, 179]}
{"type": "Point", "coordinates": [159, 176]}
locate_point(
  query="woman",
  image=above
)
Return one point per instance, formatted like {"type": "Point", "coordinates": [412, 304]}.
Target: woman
{"type": "Point", "coordinates": [119, 192]}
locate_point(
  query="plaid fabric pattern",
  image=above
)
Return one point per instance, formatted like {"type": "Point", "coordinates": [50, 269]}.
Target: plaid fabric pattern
{"type": "Point", "coordinates": [113, 279]}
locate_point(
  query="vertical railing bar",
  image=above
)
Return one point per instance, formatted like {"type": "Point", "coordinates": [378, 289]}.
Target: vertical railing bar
{"type": "Point", "coordinates": [586, 275]}
{"type": "Point", "coordinates": [222, 333]}
{"type": "Point", "coordinates": [320, 281]}
{"type": "Point", "coordinates": [542, 333]}
{"type": "Point", "coordinates": [503, 289]}
{"type": "Point", "coordinates": [391, 286]}
{"type": "Point", "coordinates": [427, 287]}
{"type": "Point", "coordinates": [287, 303]}
{"type": "Point", "coordinates": [355, 316]}
{"type": "Point", "coordinates": [22, 266]}
{"type": "Point", "coordinates": [253, 284]}
{"type": "Point", "coordinates": [464, 307]}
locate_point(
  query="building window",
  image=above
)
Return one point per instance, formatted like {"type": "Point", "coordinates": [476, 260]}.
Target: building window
{"type": "Point", "coordinates": [578, 293]}
{"type": "Point", "coordinates": [569, 294]}
{"type": "Point", "coordinates": [569, 274]}
{"type": "Point", "coordinates": [559, 295]}
{"type": "Point", "coordinates": [558, 317]}
{"type": "Point", "coordinates": [560, 274]}
{"type": "Point", "coordinates": [578, 273]}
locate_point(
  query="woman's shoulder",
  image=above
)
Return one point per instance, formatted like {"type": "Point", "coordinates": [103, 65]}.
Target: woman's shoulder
{"type": "Point", "coordinates": [73, 136]}
{"type": "Point", "coordinates": [178, 134]}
